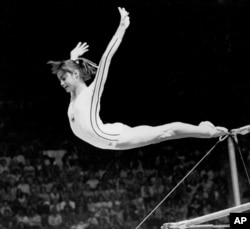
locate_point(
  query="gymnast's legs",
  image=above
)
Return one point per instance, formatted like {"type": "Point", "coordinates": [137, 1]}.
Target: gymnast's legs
{"type": "Point", "coordinates": [132, 137]}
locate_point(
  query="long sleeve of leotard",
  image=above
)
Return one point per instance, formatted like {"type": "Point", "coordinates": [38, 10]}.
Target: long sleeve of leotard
{"type": "Point", "coordinates": [107, 56]}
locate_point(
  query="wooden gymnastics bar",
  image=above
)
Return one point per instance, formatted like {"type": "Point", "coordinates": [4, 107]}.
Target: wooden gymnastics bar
{"type": "Point", "coordinates": [213, 216]}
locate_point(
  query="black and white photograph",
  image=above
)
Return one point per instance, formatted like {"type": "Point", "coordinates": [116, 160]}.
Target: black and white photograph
{"type": "Point", "coordinates": [124, 114]}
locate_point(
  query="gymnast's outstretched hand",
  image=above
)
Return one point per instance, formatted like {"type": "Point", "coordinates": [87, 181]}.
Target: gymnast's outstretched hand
{"type": "Point", "coordinates": [79, 50]}
{"type": "Point", "coordinates": [125, 20]}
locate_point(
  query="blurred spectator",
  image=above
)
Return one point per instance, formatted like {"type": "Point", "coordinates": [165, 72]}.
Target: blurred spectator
{"type": "Point", "coordinates": [80, 225]}
{"type": "Point", "coordinates": [7, 194]}
{"type": "Point", "coordinates": [87, 192]}
{"type": "Point", "coordinates": [55, 219]}
{"type": "Point", "coordinates": [120, 190]}
{"type": "Point", "coordinates": [138, 202]}
{"type": "Point", "coordinates": [22, 217]}
{"type": "Point", "coordinates": [23, 186]}
{"type": "Point", "coordinates": [68, 216]}
{"type": "Point", "coordinates": [7, 219]}
{"type": "Point", "coordinates": [20, 159]}
{"type": "Point", "coordinates": [116, 214]}
{"type": "Point", "coordinates": [146, 193]}
{"type": "Point", "coordinates": [140, 178]}
{"type": "Point", "coordinates": [92, 181]}
{"type": "Point", "coordinates": [55, 204]}
{"type": "Point", "coordinates": [157, 187]}
{"type": "Point", "coordinates": [29, 169]}
{"type": "Point", "coordinates": [54, 194]}
{"type": "Point", "coordinates": [5, 206]}
{"type": "Point", "coordinates": [91, 204]}
{"type": "Point", "coordinates": [43, 194]}
{"type": "Point", "coordinates": [3, 165]}
{"type": "Point", "coordinates": [81, 203]}
{"type": "Point", "coordinates": [75, 192]}
{"type": "Point", "coordinates": [81, 214]}
{"type": "Point", "coordinates": [67, 202]}
{"type": "Point", "coordinates": [92, 221]}
{"type": "Point", "coordinates": [34, 219]}
{"type": "Point", "coordinates": [129, 181]}
{"type": "Point", "coordinates": [21, 199]}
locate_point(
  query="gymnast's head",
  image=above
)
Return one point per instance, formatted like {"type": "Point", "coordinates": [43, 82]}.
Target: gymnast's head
{"type": "Point", "coordinates": [73, 72]}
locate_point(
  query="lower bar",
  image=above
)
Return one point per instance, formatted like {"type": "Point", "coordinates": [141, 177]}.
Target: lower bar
{"type": "Point", "coordinates": [206, 218]}
{"type": "Point", "coordinates": [208, 226]}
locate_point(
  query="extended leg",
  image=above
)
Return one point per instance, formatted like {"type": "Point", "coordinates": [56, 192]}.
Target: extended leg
{"type": "Point", "coordinates": [133, 137]}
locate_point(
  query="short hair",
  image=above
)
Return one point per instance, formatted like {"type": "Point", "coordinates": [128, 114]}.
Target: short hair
{"type": "Point", "coordinates": [86, 68]}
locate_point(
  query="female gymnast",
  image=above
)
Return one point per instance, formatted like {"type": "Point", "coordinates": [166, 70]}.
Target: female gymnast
{"type": "Point", "coordinates": [84, 107]}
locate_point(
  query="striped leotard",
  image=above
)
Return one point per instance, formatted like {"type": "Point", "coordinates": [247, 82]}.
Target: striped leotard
{"type": "Point", "coordinates": [83, 112]}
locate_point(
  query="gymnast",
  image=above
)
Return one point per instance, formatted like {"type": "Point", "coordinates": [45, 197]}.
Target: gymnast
{"type": "Point", "coordinates": [84, 107]}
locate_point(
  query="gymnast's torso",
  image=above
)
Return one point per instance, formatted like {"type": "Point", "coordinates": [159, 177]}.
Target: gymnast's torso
{"type": "Point", "coordinates": [85, 122]}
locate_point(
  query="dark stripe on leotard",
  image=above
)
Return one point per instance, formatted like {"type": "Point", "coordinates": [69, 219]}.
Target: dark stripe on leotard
{"type": "Point", "coordinates": [97, 92]}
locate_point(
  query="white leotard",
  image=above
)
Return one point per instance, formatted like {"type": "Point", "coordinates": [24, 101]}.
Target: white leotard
{"type": "Point", "coordinates": [83, 111]}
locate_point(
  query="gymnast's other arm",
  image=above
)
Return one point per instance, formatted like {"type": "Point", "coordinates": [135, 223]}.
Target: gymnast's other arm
{"type": "Point", "coordinates": [81, 48]}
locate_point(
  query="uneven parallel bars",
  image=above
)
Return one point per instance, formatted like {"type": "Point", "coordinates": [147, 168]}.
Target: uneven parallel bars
{"type": "Point", "coordinates": [234, 172]}
{"type": "Point", "coordinates": [206, 218]}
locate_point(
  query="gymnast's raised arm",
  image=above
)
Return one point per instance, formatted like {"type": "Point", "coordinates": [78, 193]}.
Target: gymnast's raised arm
{"type": "Point", "coordinates": [102, 72]}
{"type": "Point", "coordinates": [124, 23]}
{"type": "Point", "coordinates": [81, 48]}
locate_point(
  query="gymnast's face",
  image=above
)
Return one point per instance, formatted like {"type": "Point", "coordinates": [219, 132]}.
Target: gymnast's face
{"type": "Point", "coordinates": [68, 80]}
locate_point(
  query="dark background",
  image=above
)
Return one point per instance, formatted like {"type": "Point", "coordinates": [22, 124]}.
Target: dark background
{"type": "Point", "coordinates": [180, 60]}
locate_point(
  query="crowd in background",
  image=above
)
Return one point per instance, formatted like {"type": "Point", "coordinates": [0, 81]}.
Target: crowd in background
{"type": "Point", "coordinates": [80, 187]}
{"type": "Point", "coordinates": [48, 181]}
